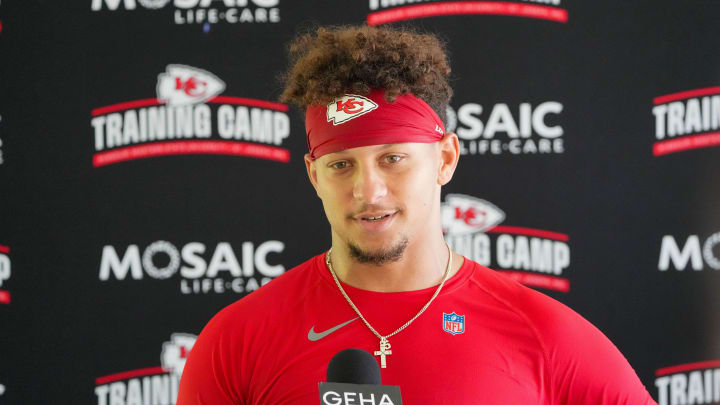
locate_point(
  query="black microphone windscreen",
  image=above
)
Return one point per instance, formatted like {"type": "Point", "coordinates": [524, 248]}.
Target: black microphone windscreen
{"type": "Point", "coordinates": [353, 366]}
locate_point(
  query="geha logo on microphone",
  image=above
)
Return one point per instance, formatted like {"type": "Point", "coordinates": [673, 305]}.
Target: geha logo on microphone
{"type": "Point", "coordinates": [151, 385]}
{"type": "Point", "coordinates": [524, 130]}
{"type": "Point", "coordinates": [202, 11]}
{"type": "Point", "coordinates": [188, 116]}
{"type": "Point", "coordinates": [201, 272]}
{"type": "Point", "coordinates": [389, 11]}
{"type": "Point", "coordinates": [356, 398]}
{"type": "Point", "coordinates": [534, 257]}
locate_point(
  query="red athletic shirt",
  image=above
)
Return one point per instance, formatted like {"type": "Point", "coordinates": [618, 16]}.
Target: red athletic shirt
{"type": "Point", "coordinates": [515, 346]}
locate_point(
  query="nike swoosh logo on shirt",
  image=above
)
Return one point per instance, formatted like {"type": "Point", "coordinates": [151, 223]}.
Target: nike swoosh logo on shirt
{"type": "Point", "coordinates": [315, 336]}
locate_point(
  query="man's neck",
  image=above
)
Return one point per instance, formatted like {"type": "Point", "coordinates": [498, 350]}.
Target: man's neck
{"type": "Point", "coordinates": [422, 265]}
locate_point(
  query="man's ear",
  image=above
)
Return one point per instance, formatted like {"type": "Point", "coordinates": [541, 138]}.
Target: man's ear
{"type": "Point", "coordinates": [449, 149]}
{"type": "Point", "coordinates": [312, 173]}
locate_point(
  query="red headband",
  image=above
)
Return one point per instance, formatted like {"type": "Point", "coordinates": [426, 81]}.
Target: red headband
{"type": "Point", "coordinates": [354, 120]}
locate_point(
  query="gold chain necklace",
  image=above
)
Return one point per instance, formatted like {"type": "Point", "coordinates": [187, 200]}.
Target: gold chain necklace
{"type": "Point", "coordinates": [384, 344]}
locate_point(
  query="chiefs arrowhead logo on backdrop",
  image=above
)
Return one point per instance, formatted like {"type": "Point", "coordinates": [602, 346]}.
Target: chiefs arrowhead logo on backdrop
{"type": "Point", "coordinates": [4, 268]}
{"type": "Point", "coordinates": [463, 214]}
{"type": "Point", "coordinates": [181, 85]}
{"type": "Point", "coordinates": [175, 352]}
{"type": "Point", "coordinates": [348, 107]}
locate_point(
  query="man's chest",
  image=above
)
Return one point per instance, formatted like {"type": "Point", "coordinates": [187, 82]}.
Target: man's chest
{"type": "Point", "coordinates": [443, 357]}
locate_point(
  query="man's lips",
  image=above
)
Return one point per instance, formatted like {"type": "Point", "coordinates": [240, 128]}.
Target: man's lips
{"type": "Point", "coordinates": [373, 216]}
{"type": "Point", "coordinates": [375, 221]}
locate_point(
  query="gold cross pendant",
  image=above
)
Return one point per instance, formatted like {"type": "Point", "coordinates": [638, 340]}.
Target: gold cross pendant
{"type": "Point", "coordinates": [383, 352]}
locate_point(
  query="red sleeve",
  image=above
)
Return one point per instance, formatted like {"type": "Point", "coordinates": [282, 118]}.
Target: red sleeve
{"type": "Point", "coordinates": [207, 378]}
{"type": "Point", "coordinates": [583, 365]}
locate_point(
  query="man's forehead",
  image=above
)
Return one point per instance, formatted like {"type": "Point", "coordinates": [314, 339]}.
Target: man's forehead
{"type": "Point", "coordinates": [376, 148]}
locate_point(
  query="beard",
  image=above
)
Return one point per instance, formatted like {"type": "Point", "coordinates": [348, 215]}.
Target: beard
{"type": "Point", "coordinates": [380, 256]}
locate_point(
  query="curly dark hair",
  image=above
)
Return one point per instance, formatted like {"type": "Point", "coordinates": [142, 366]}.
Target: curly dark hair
{"type": "Point", "coordinates": [332, 61]}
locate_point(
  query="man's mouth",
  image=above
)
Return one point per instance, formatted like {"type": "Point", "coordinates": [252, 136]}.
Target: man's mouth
{"type": "Point", "coordinates": [375, 221]}
{"type": "Point", "coordinates": [375, 218]}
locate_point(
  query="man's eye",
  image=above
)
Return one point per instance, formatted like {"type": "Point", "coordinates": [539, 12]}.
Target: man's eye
{"type": "Point", "coordinates": [339, 165]}
{"type": "Point", "coordinates": [393, 158]}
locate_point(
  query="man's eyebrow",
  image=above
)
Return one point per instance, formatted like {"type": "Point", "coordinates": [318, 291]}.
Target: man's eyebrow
{"type": "Point", "coordinates": [383, 147]}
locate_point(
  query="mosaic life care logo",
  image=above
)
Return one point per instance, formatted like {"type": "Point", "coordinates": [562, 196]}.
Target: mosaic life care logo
{"type": "Point", "coordinates": [500, 129]}
{"type": "Point", "coordinates": [687, 120]}
{"type": "Point", "coordinates": [389, 11]}
{"type": "Point", "coordinates": [5, 273]}
{"type": "Point", "coordinates": [152, 385]}
{"type": "Point", "coordinates": [694, 253]}
{"type": "Point", "coordinates": [692, 383]}
{"type": "Point", "coordinates": [533, 257]}
{"type": "Point", "coordinates": [202, 269]}
{"type": "Point", "coordinates": [188, 116]}
{"type": "Point", "coordinates": [201, 11]}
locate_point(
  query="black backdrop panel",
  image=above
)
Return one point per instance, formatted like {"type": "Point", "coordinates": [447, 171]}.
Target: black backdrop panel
{"type": "Point", "coordinates": [149, 177]}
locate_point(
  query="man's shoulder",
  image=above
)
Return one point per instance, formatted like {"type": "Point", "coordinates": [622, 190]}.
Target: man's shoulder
{"type": "Point", "coordinates": [565, 336]}
{"type": "Point", "coordinates": [541, 312]}
{"type": "Point", "coordinates": [276, 296]}
{"type": "Point", "coordinates": [294, 281]}
{"type": "Point", "coordinates": [582, 363]}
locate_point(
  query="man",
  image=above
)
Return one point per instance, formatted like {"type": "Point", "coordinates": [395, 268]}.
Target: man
{"type": "Point", "coordinates": [445, 329]}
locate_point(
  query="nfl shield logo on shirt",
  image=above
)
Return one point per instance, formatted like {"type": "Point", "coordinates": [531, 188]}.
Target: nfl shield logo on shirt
{"type": "Point", "coordinates": [453, 323]}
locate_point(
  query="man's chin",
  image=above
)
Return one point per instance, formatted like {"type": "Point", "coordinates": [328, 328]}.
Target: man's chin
{"type": "Point", "coordinates": [378, 255]}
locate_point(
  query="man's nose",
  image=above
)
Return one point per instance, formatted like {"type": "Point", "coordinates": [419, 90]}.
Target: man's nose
{"type": "Point", "coordinates": [369, 185]}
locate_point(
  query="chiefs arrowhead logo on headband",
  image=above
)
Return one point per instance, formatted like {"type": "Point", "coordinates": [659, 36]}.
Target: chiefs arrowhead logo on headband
{"type": "Point", "coordinates": [348, 107]}
{"type": "Point", "coordinates": [407, 119]}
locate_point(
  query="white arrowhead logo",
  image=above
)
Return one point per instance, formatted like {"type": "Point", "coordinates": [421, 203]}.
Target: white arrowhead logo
{"type": "Point", "coordinates": [183, 85]}
{"type": "Point", "coordinates": [174, 353]}
{"type": "Point", "coordinates": [463, 214]}
{"type": "Point", "coordinates": [347, 107]}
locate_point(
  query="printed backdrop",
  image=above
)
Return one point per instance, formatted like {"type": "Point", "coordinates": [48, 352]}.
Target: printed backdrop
{"type": "Point", "coordinates": [150, 177]}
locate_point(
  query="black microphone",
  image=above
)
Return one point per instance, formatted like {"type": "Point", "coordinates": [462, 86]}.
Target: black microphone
{"type": "Point", "coordinates": [353, 366]}
{"type": "Point", "coordinates": [353, 378]}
